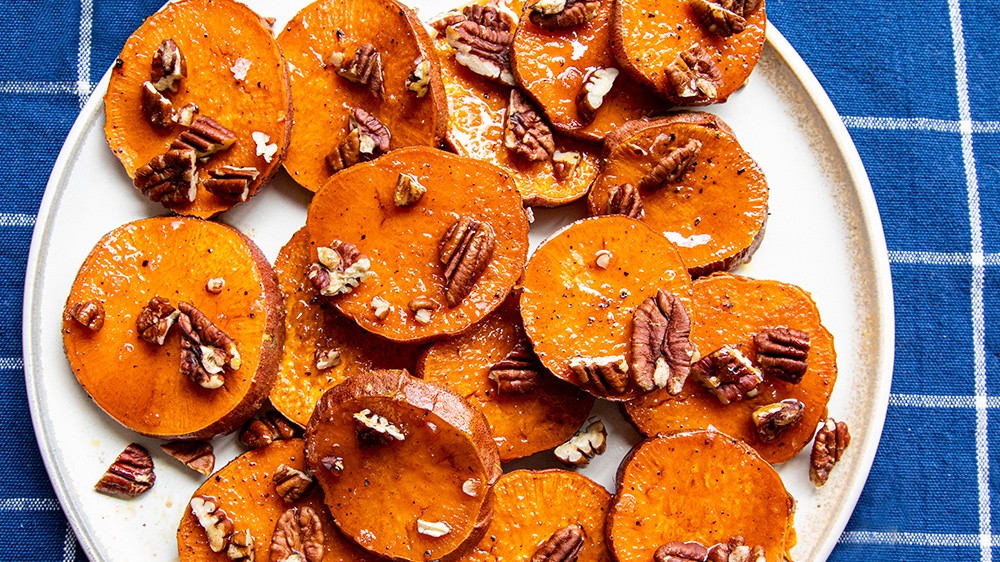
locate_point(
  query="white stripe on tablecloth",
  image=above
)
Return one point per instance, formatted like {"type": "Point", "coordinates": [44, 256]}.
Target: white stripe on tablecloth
{"type": "Point", "coordinates": [940, 258]}
{"type": "Point", "coordinates": [978, 278]}
{"type": "Point", "coordinates": [916, 539]}
{"type": "Point", "coordinates": [38, 88]}
{"type": "Point", "coordinates": [29, 504]}
{"type": "Point", "coordinates": [83, 85]}
{"type": "Point", "coordinates": [16, 219]}
{"type": "Point", "coordinates": [69, 545]}
{"type": "Point", "coordinates": [916, 124]}
{"type": "Point", "coordinates": [940, 401]}
{"type": "Point", "coordinates": [11, 363]}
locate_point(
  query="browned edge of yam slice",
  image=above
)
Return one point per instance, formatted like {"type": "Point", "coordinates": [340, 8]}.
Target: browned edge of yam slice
{"type": "Point", "coordinates": [140, 384]}
{"type": "Point", "coordinates": [261, 102]}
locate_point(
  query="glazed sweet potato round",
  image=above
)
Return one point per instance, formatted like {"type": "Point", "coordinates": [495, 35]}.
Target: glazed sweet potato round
{"type": "Point", "coordinates": [235, 75]}
{"type": "Point", "coordinates": [324, 100]}
{"type": "Point", "coordinates": [573, 309]}
{"type": "Point", "coordinates": [531, 506]}
{"type": "Point", "coordinates": [139, 383]}
{"type": "Point", "coordinates": [701, 486]}
{"type": "Point", "coordinates": [521, 423]}
{"type": "Point", "coordinates": [404, 243]}
{"type": "Point", "coordinates": [697, 185]}
{"type": "Point", "coordinates": [317, 336]}
{"type": "Point", "coordinates": [730, 310]}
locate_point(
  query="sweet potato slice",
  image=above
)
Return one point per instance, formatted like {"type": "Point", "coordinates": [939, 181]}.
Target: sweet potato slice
{"type": "Point", "coordinates": [714, 205]}
{"type": "Point", "coordinates": [574, 309]}
{"type": "Point", "coordinates": [521, 424]}
{"type": "Point", "coordinates": [530, 506]}
{"type": "Point", "coordinates": [246, 491]}
{"type": "Point", "coordinates": [552, 66]}
{"type": "Point", "coordinates": [647, 36]}
{"type": "Point", "coordinates": [140, 383]}
{"type": "Point", "coordinates": [730, 310]}
{"type": "Point", "coordinates": [324, 100]}
{"type": "Point", "coordinates": [313, 329]}
{"type": "Point", "coordinates": [701, 486]}
{"type": "Point", "coordinates": [235, 75]}
{"type": "Point", "coordinates": [404, 244]}
{"type": "Point", "coordinates": [407, 467]}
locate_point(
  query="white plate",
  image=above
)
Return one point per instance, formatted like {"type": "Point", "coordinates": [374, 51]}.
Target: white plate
{"type": "Point", "coordinates": [823, 234]}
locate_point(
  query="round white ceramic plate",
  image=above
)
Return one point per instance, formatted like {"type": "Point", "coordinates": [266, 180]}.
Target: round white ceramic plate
{"type": "Point", "coordinates": [823, 234]}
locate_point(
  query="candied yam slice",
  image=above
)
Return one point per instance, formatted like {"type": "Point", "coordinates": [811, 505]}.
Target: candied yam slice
{"type": "Point", "coordinates": [574, 309]}
{"type": "Point", "coordinates": [220, 41]}
{"type": "Point", "coordinates": [701, 486]}
{"type": "Point", "coordinates": [552, 66]}
{"type": "Point", "coordinates": [324, 100]}
{"type": "Point", "coordinates": [715, 211]}
{"type": "Point", "coordinates": [404, 243]}
{"type": "Point", "coordinates": [312, 329]}
{"type": "Point", "coordinates": [532, 505]}
{"type": "Point", "coordinates": [521, 424]}
{"type": "Point", "coordinates": [414, 481]}
{"type": "Point", "coordinates": [246, 491]}
{"type": "Point", "coordinates": [647, 36]}
{"type": "Point", "coordinates": [730, 310]}
{"type": "Point", "coordinates": [139, 383]}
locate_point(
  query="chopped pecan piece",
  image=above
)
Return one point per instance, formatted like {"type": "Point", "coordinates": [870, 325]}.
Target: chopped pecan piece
{"type": "Point", "coordinates": [483, 41]}
{"type": "Point", "coordinates": [671, 167]}
{"type": "Point", "coordinates": [130, 475]}
{"type": "Point", "coordinates": [419, 81]}
{"type": "Point", "coordinates": [681, 552]}
{"type": "Point", "coordinates": [241, 546]}
{"type": "Point", "coordinates": [169, 178]}
{"type": "Point", "coordinates": [230, 182]}
{"type": "Point", "coordinates": [661, 346]}
{"type": "Point", "coordinates": [89, 314]}
{"type": "Point", "coordinates": [831, 441]}
{"type": "Point", "coordinates": [624, 200]}
{"type": "Point", "coordinates": [291, 484]}
{"type": "Point", "coordinates": [264, 146]}
{"type": "Point", "coordinates": [563, 546]}
{"type": "Point", "coordinates": [218, 527]}
{"type": "Point", "coordinates": [366, 140]}
{"type": "Point", "coordinates": [365, 68]}
{"type": "Point", "coordinates": [266, 429]}
{"type": "Point", "coordinates": [694, 76]}
{"type": "Point", "coordinates": [333, 464]}
{"type": "Point", "coordinates": [727, 374]}
{"type": "Point", "coordinates": [782, 353]}
{"type": "Point", "coordinates": [215, 285]}
{"type": "Point", "coordinates": [584, 445]}
{"type": "Point", "coordinates": [520, 372]}
{"type": "Point", "coordinates": [434, 529]}
{"type": "Point", "coordinates": [716, 19]}
{"type": "Point", "coordinates": [373, 430]}
{"type": "Point", "coordinates": [340, 269]}
{"type": "Point", "coordinates": [154, 322]}
{"type": "Point", "coordinates": [186, 115]}
{"type": "Point", "coordinates": [465, 252]}
{"type": "Point", "coordinates": [408, 190]}
{"type": "Point", "coordinates": [206, 136]}
{"type": "Point", "coordinates": [774, 419]}
{"type": "Point", "coordinates": [596, 86]}
{"type": "Point", "coordinates": [602, 258]}
{"type": "Point", "coordinates": [564, 164]}
{"type": "Point", "coordinates": [560, 14]}
{"type": "Point", "coordinates": [168, 67]}
{"type": "Point", "coordinates": [326, 358]}
{"type": "Point", "coordinates": [736, 551]}
{"type": "Point", "coordinates": [742, 7]}
{"type": "Point", "coordinates": [159, 111]}
{"type": "Point", "coordinates": [298, 537]}
{"type": "Point", "coordinates": [525, 133]}
{"type": "Point", "coordinates": [423, 309]}
{"type": "Point", "coordinates": [605, 374]}
{"type": "Point", "coordinates": [206, 351]}
{"type": "Point", "coordinates": [196, 455]}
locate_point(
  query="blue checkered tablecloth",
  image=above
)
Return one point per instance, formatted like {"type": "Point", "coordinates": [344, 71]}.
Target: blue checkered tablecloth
{"type": "Point", "coordinates": [918, 86]}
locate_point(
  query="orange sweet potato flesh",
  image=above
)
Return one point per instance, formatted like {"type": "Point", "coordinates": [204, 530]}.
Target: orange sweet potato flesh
{"type": "Point", "coordinates": [730, 309]}
{"type": "Point", "coordinates": [521, 424]}
{"type": "Point", "coordinates": [573, 308]}
{"type": "Point", "coordinates": [715, 212]}
{"type": "Point", "coordinates": [551, 67]}
{"type": "Point", "coordinates": [139, 384]}
{"type": "Point", "coordinates": [531, 505]}
{"type": "Point", "coordinates": [245, 490]}
{"type": "Point", "coordinates": [647, 35]}
{"type": "Point", "coordinates": [403, 243]}
{"type": "Point", "coordinates": [311, 326]}
{"type": "Point", "coordinates": [383, 490]}
{"type": "Point", "coordinates": [212, 35]}
{"type": "Point", "coordinates": [700, 486]}
{"type": "Point", "coordinates": [323, 100]}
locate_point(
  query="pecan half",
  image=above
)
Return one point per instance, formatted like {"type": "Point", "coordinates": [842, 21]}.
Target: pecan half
{"type": "Point", "coordinates": [565, 163]}
{"type": "Point", "coordinates": [168, 67]}
{"type": "Point", "coordinates": [774, 419]}
{"type": "Point", "coordinates": [606, 375]}
{"type": "Point", "coordinates": [408, 190]}
{"type": "Point", "coordinates": [465, 252]}
{"type": "Point", "coordinates": [587, 443]}
{"type": "Point", "coordinates": [727, 374]}
{"type": "Point", "coordinates": [196, 455]}
{"type": "Point", "coordinates": [419, 81]}
{"type": "Point", "coordinates": [366, 140]}
{"type": "Point", "coordinates": [624, 200]}
{"type": "Point", "coordinates": [241, 546]}
{"type": "Point", "coordinates": [298, 537]}
{"type": "Point", "coordinates": [525, 133]}
{"type": "Point", "coordinates": [130, 475]}
{"type": "Point", "coordinates": [210, 515]}
{"type": "Point", "coordinates": [736, 551]}
{"type": "Point", "coordinates": [661, 344]}
{"type": "Point", "coordinates": [365, 68]}
{"type": "Point", "coordinates": [89, 314]}
{"type": "Point", "coordinates": [206, 136]}
{"type": "Point", "coordinates": [671, 167]}
{"type": "Point", "coordinates": [340, 269]}
{"type": "Point", "coordinates": [159, 111]}
{"type": "Point", "coordinates": [154, 322]}
{"type": "Point", "coordinates": [681, 552]}
{"type": "Point", "coordinates": [266, 429]}
{"type": "Point", "coordinates": [694, 76]}
{"type": "Point", "coordinates": [596, 85]}
{"type": "Point", "coordinates": [169, 178]}
{"type": "Point", "coordinates": [520, 372]}
{"type": "Point", "coordinates": [831, 441]}
{"type": "Point", "coordinates": [782, 353]}
{"type": "Point", "coordinates": [717, 19]}
{"type": "Point", "coordinates": [373, 430]}
{"type": "Point", "coordinates": [230, 182]}
{"type": "Point", "coordinates": [483, 41]}
{"type": "Point", "coordinates": [291, 484]}
{"type": "Point", "coordinates": [206, 351]}
{"type": "Point", "coordinates": [563, 546]}
{"type": "Point", "coordinates": [560, 14]}
{"type": "Point", "coordinates": [742, 7]}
